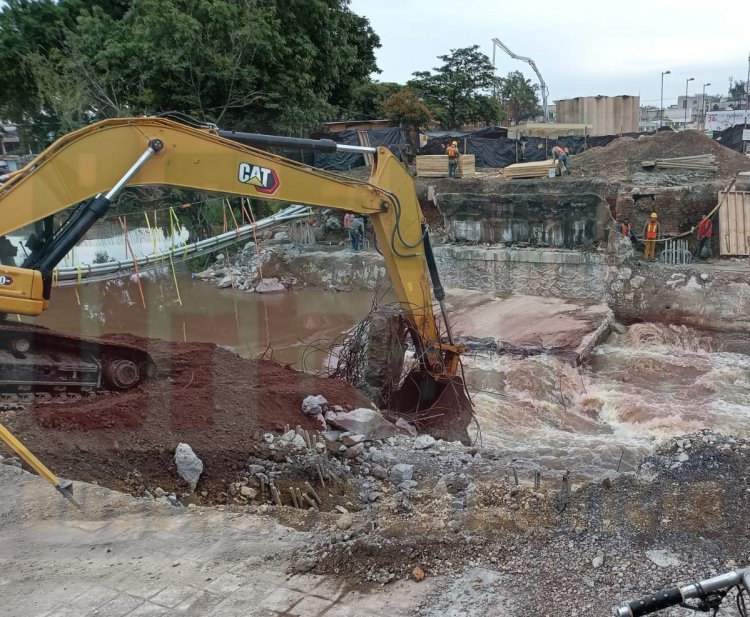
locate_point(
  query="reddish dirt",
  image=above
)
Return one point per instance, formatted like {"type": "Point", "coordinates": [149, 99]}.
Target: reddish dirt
{"type": "Point", "coordinates": [623, 156]}
{"type": "Point", "coordinates": [203, 395]}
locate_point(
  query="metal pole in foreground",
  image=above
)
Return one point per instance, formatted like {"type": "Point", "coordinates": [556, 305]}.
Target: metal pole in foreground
{"type": "Point", "coordinates": [661, 104]}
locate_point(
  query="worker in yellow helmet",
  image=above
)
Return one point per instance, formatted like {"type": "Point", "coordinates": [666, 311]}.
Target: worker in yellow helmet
{"type": "Point", "coordinates": [453, 154]}
{"type": "Point", "coordinates": [651, 232]}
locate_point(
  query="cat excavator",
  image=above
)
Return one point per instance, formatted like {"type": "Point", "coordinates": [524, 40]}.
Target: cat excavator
{"type": "Point", "coordinates": [80, 175]}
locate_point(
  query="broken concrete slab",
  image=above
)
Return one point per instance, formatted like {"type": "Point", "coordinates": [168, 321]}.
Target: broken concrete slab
{"type": "Point", "coordinates": [271, 285]}
{"type": "Point", "coordinates": [529, 325]}
{"type": "Point", "coordinates": [362, 421]}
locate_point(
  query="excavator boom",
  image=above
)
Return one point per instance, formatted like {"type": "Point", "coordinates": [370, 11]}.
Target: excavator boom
{"type": "Point", "coordinates": [88, 168]}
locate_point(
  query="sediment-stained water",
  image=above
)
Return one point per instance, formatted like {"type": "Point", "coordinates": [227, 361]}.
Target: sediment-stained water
{"type": "Point", "coordinates": [645, 384]}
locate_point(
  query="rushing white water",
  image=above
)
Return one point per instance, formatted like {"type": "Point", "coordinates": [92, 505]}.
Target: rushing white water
{"type": "Point", "coordinates": [646, 385]}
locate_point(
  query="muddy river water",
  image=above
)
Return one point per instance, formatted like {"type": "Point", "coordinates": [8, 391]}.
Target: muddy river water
{"type": "Point", "coordinates": [644, 384]}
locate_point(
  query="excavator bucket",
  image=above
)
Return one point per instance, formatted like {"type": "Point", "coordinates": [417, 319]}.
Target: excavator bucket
{"type": "Point", "coordinates": [439, 407]}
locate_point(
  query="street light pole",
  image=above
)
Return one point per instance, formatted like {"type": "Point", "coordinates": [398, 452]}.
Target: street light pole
{"type": "Point", "coordinates": [703, 105]}
{"type": "Point", "coordinates": [661, 105]}
{"type": "Point", "coordinates": [687, 82]}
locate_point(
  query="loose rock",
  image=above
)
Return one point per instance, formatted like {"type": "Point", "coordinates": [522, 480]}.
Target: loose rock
{"type": "Point", "coordinates": [401, 473]}
{"type": "Point", "coordinates": [345, 521]}
{"type": "Point", "coordinates": [189, 466]}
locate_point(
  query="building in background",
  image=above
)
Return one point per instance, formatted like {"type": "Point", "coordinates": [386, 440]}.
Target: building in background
{"type": "Point", "coordinates": [9, 141]}
{"type": "Point", "coordinates": [605, 115]}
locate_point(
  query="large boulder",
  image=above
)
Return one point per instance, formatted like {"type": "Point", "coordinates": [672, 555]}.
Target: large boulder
{"type": "Point", "coordinates": [189, 466]}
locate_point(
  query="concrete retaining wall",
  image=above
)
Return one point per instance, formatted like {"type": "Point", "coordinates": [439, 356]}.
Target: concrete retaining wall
{"type": "Point", "coordinates": [716, 298]}
{"type": "Point", "coordinates": [538, 220]}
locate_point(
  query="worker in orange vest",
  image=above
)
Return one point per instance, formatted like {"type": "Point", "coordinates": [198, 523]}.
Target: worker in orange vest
{"type": "Point", "coordinates": [626, 229]}
{"type": "Point", "coordinates": [651, 232]}
{"type": "Point", "coordinates": [453, 154]}
{"type": "Point", "coordinates": [705, 231]}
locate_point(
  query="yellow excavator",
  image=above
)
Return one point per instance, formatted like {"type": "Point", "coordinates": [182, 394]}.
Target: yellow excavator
{"type": "Point", "coordinates": [86, 170]}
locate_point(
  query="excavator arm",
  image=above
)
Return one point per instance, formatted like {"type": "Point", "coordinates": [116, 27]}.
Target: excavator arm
{"type": "Point", "coordinates": [89, 167]}
{"type": "Point", "coordinates": [96, 162]}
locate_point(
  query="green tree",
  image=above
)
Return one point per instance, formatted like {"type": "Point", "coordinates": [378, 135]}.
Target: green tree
{"type": "Point", "coordinates": [459, 91]}
{"type": "Point", "coordinates": [270, 65]}
{"type": "Point", "coordinates": [407, 109]}
{"type": "Point", "coordinates": [519, 96]}
{"type": "Point", "coordinates": [368, 99]}
{"type": "Point", "coordinates": [738, 92]}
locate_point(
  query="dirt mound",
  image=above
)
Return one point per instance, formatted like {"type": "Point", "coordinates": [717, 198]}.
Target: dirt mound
{"type": "Point", "coordinates": [623, 157]}
{"type": "Point", "coordinates": [203, 395]}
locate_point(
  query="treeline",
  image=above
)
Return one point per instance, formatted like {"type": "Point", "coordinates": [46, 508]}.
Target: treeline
{"type": "Point", "coordinates": [279, 66]}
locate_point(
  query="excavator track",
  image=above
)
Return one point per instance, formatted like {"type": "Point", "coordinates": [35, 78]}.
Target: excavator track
{"type": "Point", "coordinates": [38, 364]}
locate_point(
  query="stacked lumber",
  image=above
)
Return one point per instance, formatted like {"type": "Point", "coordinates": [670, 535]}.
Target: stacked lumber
{"type": "Point", "coordinates": [436, 165]}
{"type": "Point", "coordinates": [701, 161]}
{"type": "Point", "coordinates": [536, 169]}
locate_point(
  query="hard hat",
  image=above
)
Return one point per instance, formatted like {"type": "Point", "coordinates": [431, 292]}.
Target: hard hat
{"type": "Point", "coordinates": [653, 215]}
{"type": "Point", "coordinates": [454, 143]}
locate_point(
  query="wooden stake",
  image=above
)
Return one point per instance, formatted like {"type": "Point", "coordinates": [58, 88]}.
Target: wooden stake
{"type": "Point", "coordinates": [320, 475]}
{"type": "Point", "coordinates": [309, 487]}
{"type": "Point", "coordinates": [298, 492]}
{"type": "Point", "coordinates": [275, 494]}
{"type": "Point", "coordinates": [294, 497]}
{"type": "Point", "coordinates": [310, 501]}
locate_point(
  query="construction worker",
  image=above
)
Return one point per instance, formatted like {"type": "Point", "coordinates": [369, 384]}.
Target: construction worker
{"type": "Point", "coordinates": [651, 232]}
{"type": "Point", "coordinates": [626, 229]}
{"type": "Point", "coordinates": [357, 232]}
{"type": "Point", "coordinates": [705, 231]}
{"type": "Point", "coordinates": [453, 154]}
{"type": "Point", "coordinates": [560, 156]}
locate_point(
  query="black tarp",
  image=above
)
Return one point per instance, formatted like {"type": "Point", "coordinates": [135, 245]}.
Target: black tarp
{"type": "Point", "coordinates": [392, 137]}
{"type": "Point", "coordinates": [731, 137]}
{"type": "Point", "coordinates": [502, 151]}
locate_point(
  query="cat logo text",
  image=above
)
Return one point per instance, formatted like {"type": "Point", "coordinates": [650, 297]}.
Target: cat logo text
{"type": "Point", "coordinates": [263, 179]}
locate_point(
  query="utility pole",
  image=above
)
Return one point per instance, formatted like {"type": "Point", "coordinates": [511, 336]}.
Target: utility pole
{"type": "Point", "coordinates": [687, 82]}
{"type": "Point", "coordinates": [703, 105]}
{"type": "Point", "coordinates": [661, 105]}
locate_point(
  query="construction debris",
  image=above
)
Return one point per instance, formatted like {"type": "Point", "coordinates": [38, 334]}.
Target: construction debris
{"type": "Point", "coordinates": [702, 161]}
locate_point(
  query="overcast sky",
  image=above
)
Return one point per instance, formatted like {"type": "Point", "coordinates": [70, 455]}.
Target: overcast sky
{"type": "Point", "coordinates": [582, 47]}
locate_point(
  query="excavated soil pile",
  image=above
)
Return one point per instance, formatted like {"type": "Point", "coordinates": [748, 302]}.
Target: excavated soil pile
{"type": "Point", "coordinates": [623, 157]}
{"type": "Point", "coordinates": [218, 403]}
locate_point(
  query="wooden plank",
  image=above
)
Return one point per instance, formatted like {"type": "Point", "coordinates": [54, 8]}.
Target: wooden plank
{"type": "Point", "coordinates": [535, 169]}
{"type": "Point", "coordinates": [734, 223]}
{"type": "Point", "coordinates": [436, 165]}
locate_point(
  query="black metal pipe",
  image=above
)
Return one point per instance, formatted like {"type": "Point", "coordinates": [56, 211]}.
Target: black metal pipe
{"type": "Point", "coordinates": [274, 141]}
{"type": "Point", "coordinates": [90, 214]}
{"type": "Point", "coordinates": [84, 220]}
{"type": "Point", "coordinates": [437, 285]}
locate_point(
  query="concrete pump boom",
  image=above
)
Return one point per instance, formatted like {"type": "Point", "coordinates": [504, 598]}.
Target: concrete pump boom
{"type": "Point", "coordinates": [543, 86]}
